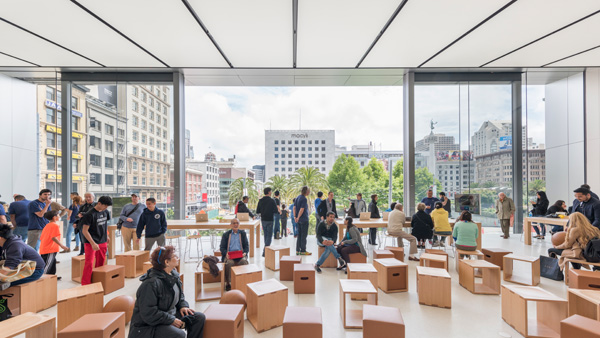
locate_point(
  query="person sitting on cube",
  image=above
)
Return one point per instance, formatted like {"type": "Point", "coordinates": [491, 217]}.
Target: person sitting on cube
{"type": "Point", "coordinates": [234, 249]}
{"type": "Point", "coordinates": [327, 232]}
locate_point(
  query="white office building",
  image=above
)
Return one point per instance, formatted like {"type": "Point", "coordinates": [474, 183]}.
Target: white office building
{"type": "Point", "coordinates": [288, 150]}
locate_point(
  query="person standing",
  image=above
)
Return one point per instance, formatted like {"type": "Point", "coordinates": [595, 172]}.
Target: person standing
{"type": "Point", "coordinates": [293, 219]}
{"type": "Point", "coordinates": [235, 241]}
{"type": "Point", "coordinates": [155, 222]}
{"type": "Point", "coordinates": [72, 216]}
{"type": "Point", "coordinates": [587, 205]}
{"type": "Point", "coordinates": [301, 216]}
{"type": "Point", "coordinates": [277, 216]}
{"type": "Point", "coordinates": [94, 226]}
{"type": "Point", "coordinates": [19, 216]}
{"type": "Point", "coordinates": [130, 215]}
{"type": "Point", "coordinates": [284, 218]}
{"type": "Point", "coordinates": [50, 242]}
{"type": "Point", "coordinates": [374, 210]}
{"type": "Point", "coordinates": [505, 208]}
{"type": "Point", "coordinates": [446, 203]}
{"type": "Point", "coordinates": [89, 204]}
{"type": "Point", "coordinates": [37, 222]}
{"type": "Point", "coordinates": [429, 201]}
{"type": "Point", "coordinates": [359, 204]}
{"type": "Point", "coordinates": [327, 206]}
{"type": "Point", "coordinates": [318, 201]}
{"type": "Point", "coordinates": [266, 208]}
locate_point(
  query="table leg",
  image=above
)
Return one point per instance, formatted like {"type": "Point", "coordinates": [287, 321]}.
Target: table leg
{"type": "Point", "coordinates": [111, 243]}
{"type": "Point", "coordinates": [252, 239]}
{"type": "Point", "coordinates": [527, 232]}
{"type": "Point", "coordinates": [258, 236]}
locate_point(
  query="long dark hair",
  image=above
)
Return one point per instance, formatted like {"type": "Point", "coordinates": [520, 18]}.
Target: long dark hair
{"type": "Point", "coordinates": [543, 196]}
{"type": "Point", "coordinates": [559, 204]}
{"type": "Point", "coordinates": [350, 224]}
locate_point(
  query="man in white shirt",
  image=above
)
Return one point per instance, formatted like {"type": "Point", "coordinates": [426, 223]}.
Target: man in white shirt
{"type": "Point", "coordinates": [396, 221]}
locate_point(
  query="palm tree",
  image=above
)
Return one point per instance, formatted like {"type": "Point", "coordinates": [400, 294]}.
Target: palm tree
{"type": "Point", "coordinates": [236, 192]}
{"type": "Point", "coordinates": [281, 184]}
{"type": "Point", "coordinates": [310, 177]}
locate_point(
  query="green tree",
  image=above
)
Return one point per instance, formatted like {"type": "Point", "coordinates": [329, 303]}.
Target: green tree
{"type": "Point", "coordinates": [535, 186]}
{"type": "Point", "coordinates": [375, 170]}
{"type": "Point", "coordinates": [423, 181]}
{"type": "Point", "coordinates": [398, 181]}
{"type": "Point", "coordinates": [236, 192]}
{"type": "Point", "coordinates": [310, 177]}
{"type": "Point", "coordinates": [284, 186]}
{"type": "Point", "coordinates": [345, 178]}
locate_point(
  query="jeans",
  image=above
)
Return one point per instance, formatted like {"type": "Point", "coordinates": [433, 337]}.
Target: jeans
{"type": "Point", "coordinates": [329, 249]}
{"type": "Point", "coordinates": [537, 230]}
{"type": "Point", "coordinates": [268, 232]}
{"type": "Point", "coordinates": [37, 274]}
{"type": "Point", "coordinates": [276, 224]}
{"type": "Point", "coordinates": [21, 231]}
{"type": "Point", "coordinates": [93, 259]}
{"type": "Point", "coordinates": [294, 226]}
{"type": "Point", "coordinates": [302, 234]}
{"type": "Point", "coordinates": [69, 234]}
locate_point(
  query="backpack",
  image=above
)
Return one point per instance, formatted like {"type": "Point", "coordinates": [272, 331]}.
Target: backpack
{"type": "Point", "coordinates": [592, 251]}
{"type": "Point", "coordinates": [5, 312]}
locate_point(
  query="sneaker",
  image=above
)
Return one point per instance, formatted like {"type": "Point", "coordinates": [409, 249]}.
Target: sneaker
{"type": "Point", "coordinates": [436, 243]}
{"type": "Point", "coordinates": [228, 287]}
{"type": "Point", "coordinates": [76, 248]}
{"type": "Point", "coordinates": [305, 253]}
{"type": "Point", "coordinates": [297, 253]}
{"type": "Point", "coordinates": [341, 267]}
{"type": "Point", "coordinates": [58, 278]}
{"type": "Point", "coordinates": [341, 261]}
{"type": "Point", "coordinates": [317, 268]}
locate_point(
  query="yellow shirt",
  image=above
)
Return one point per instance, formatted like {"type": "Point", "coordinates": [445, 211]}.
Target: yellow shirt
{"type": "Point", "coordinates": [440, 220]}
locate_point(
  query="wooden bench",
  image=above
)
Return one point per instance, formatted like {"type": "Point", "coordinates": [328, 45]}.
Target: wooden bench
{"type": "Point", "coordinates": [34, 296]}
{"type": "Point", "coordinates": [532, 279]}
{"type": "Point", "coordinates": [267, 301]}
{"type": "Point", "coordinates": [585, 303]}
{"type": "Point", "coordinates": [133, 261]}
{"type": "Point", "coordinates": [578, 261]}
{"type": "Point", "coordinates": [31, 324]}
{"type": "Point", "coordinates": [353, 318]}
{"type": "Point", "coordinates": [78, 301]}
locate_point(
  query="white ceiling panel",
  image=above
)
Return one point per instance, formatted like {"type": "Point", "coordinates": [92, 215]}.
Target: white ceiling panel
{"type": "Point", "coordinates": [425, 27]}
{"type": "Point", "coordinates": [374, 81]}
{"type": "Point", "coordinates": [80, 33]}
{"type": "Point", "coordinates": [164, 28]}
{"type": "Point", "coordinates": [8, 61]}
{"type": "Point", "coordinates": [250, 33]}
{"type": "Point", "coordinates": [589, 59]}
{"type": "Point", "coordinates": [569, 41]}
{"type": "Point", "coordinates": [519, 24]}
{"type": "Point", "coordinates": [213, 81]}
{"type": "Point", "coordinates": [21, 44]}
{"type": "Point", "coordinates": [321, 80]}
{"type": "Point", "coordinates": [267, 80]}
{"type": "Point", "coordinates": [337, 33]}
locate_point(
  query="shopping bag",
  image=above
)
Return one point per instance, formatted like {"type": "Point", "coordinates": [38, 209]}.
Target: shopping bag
{"type": "Point", "coordinates": [549, 268]}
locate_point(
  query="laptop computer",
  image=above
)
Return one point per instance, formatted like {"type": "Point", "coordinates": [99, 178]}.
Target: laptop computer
{"type": "Point", "coordinates": [365, 216]}
{"type": "Point", "coordinates": [243, 216]}
{"type": "Point", "coordinates": [386, 214]}
{"type": "Point", "coordinates": [201, 218]}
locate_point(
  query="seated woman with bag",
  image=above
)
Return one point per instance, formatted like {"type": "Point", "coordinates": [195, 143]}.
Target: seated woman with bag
{"type": "Point", "coordinates": [350, 244]}
{"type": "Point", "coordinates": [22, 264]}
{"type": "Point", "coordinates": [579, 233]}
{"type": "Point", "coordinates": [160, 308]}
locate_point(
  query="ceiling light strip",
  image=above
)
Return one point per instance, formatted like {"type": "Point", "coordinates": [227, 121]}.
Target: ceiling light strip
{"type": "Point", "coordinates": [294, 32]}
{"type": "Point", "coordinates": [570, 56]}
{"type": "Point", "coordinates": [197, 18]}
{"type": "Point", "coordinates": [470, 30]}
{"type": "Point", "coordinates": [385, 27]}
{"type": "Point", "coordinates": [117, 31]}
{"type": "Point", "coordinates": [50, 41]}
{"type": "Point", "coordinates": [543, 37]}
{"type": "Point", "coordinates": [14, 57]}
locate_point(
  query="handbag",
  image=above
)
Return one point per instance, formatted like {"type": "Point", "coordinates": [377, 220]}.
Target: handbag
{"type": "Point", "coordinates": [591, 253]}
{"type": "Point", "coordinates": [549, 268]}
{"type": "Point", "coordinates": [24, 270]}
{"type": "Point", "coordinates": [235, 254]}
{"type": "Point", "coordinates": [4, 310]}
{"type": "Point", "coordinates": [120, 222]}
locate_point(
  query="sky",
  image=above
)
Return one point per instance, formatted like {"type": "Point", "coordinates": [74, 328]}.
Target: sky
{"type": "Point", "coordinates": [232, 120]}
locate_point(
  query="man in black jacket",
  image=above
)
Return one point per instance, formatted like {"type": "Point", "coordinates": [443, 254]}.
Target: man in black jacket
{"type": "Point", "coordinates": [587, 205]}
{"type": "Point", "coordinates": [243, 206]}
{"type": "Point", "coordinates": [327, 233]}
{"type": "Point", "coordinates": [89, 204]}
{"type": "Point", "coordinates": [233, 240]}
{"type": "Point", "coordinates": [327, 206]}
{"type": "Point", "coordinates": [266, 208]}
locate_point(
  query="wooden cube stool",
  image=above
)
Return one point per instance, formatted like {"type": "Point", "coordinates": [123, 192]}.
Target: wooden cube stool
{"type": "Point", "coordinates": [330, 261]}
{"type": "Point", "coordinates": [441, 253]}
{"type": "Point", "coordinates": [273, 254]}
{"type": "Point", "coordinates": [433, 261]}
{"type": "Point", "coordinates": [433, 287]}
{"type": "Point", "coordinates": [34, 296]}
{"type": "Point", "coordinates": [357, 258]}
{"type": "Point", "coordinates": [133, 261]}
{"type": "Point", "coordinates": [112, 277]}
{"type": "Point", "coordinates": [531, 277]}
{"type": "Point", "coordinates": [550, 310]}
{"type": "Point", "coordinates": [585, 303]}
{"type": "Point", "coordinates": [30, 324]}
{"type": "Point", "coordinates": [584, 279]}
{"type": "Point", "coordinates": [392, 275]}
{"type": "Point", "coordinates": [382, 321]}
{"type": "Point", "coordinates": [96, 325]}
{"type": "Point", "coordinates": [471, 254]}
{"type": "Point", "coordinates": [242, 275]}
{"type": "Point", "coordinates": [78, 301]}
{"type": "Point", "coordinates": [302, 322]}
{"type": "Point", "coordinates": [353, 319]}
{"type": "Point", "coordinates": [267, 301]}
{"type": "Point", "coordinates": [224, 321]}
{"type": "Point", "coordinates": [304, 278]}
{"type": "Point", "coordinates": [490, 284]}
{"type": "Point", "coordinates": [569, 261]}
{"type": "Point", "coordinates": [382, 254]}
{"type": "Point", "coordinates": [580, 327]}
{"type": "Point", "coordinates": [77, 263]}
{"type": "Point", "coordinates": [495, 256]}
{"type": "Point", "coordinates": [147, 266]}
{"type": "Point", "coordinates": [286, 265]}
{"type": "Point", "coordinates": [362, 271]}
{"type": "Point", "coordinates": [208, 293]}
{"type": "Point", "coordinates": [397, 251]}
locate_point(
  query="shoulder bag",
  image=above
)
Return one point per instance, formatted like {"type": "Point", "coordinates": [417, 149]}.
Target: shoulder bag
{"type": "Point", "coordinates": [24, 270]}
{"type": "Point", "coordinates": [5, 312]}
{"type": "Point", "coordinates": [120, 222]}
{"type": "Point", "coordinates": [549, 268]}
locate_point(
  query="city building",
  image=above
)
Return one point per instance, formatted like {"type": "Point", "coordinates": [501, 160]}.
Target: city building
{"type": "Point", "coordinates": [189, 149]}
{"type": "Point", "coordinates": [440, 142]}
{"type": "Point", "coordinates": [288, 150]}
{"type": "Point", "coordinates": [496, 135]}
{"type": "Point", "coordinates": [49, 108]}
{"type": "Point", "coordinates": [148, 136]}
{"type": "Point", "coordinates": [259, 170]}
{"type": "Point", "coordinates": [497, 167]}
{"type": "Point", "coordinates": [210, 180]}
{"type": "Point", "coordinates": [454, 174]}
{"type": "Point", "coordinates": [193, 189]}
{"type": "Point", "coordinates": [106, 148]}
{"type": "Point", "coordinates": [363, 154]}
{"type": "Point", "coordinates": [226, 177]}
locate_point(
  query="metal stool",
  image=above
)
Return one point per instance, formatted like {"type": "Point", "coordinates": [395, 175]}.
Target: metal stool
{"type": "Point", "coordinates": [174, 235]}
{"type": "Point", "coordinates": [387, 236]}
{"type": "Point", "coordinates": [188, 248]}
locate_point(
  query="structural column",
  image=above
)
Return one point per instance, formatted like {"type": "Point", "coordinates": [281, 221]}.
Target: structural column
{"type": "Point", "coordinates": [408, 89]}
{"type": "Point", "coordinates": [67, 142]}
{"type": "Point", "coordinates": [179, 193]}
{"type": "Point", "coordinates": [517, 156]}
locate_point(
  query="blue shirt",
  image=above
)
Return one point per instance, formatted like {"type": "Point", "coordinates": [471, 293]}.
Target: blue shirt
{"type": "Point", "coordinates": [302, 202]}
{"type": "Point", "coordinates": [2, 211]}
{"type": "Point", "coordinates": [75, 210]}
{"type": "Point", "coordinates": [235, 243]}
{"type": "Point", "coordinates": [21, 212]}
{"type": "Point", "coordinates": [430, 202]}
{"type": "Point", "coordinates": [317, 203]}
{"type": "Point", "coordinates": [36, 222]}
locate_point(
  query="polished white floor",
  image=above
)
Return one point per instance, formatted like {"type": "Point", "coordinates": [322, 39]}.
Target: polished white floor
{"type": "Point", "coordinates": [471, 316]}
